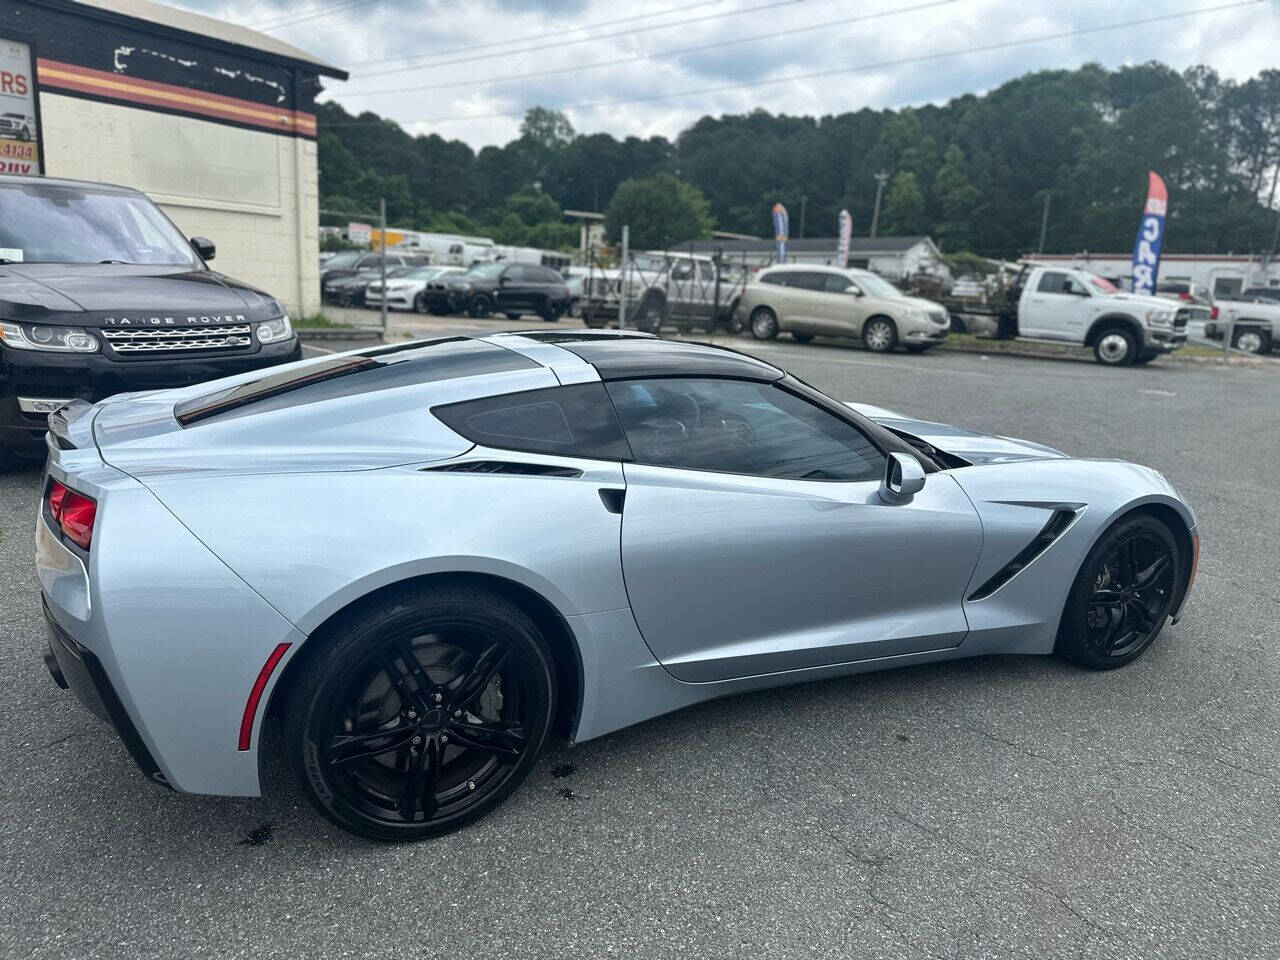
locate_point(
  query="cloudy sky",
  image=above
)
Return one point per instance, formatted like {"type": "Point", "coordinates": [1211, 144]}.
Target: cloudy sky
{"type": "Point", "coordinates": [470, 69]}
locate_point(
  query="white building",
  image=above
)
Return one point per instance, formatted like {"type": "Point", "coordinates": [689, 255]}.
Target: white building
{"type": "Point", "coordinates": [1225, 276]}
{"type": "Point", "coordinates": [891, 257]}
{"type": "Point", "coordinates": [214, 121]}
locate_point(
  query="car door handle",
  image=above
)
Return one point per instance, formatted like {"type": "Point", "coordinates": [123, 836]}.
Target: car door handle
{"type": "Point", "coordinates": [613, 498]}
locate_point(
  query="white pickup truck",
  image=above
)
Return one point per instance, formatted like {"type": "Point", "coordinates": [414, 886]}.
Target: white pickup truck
{"type": "Point", "coordinates": [1254, 323]}
{"type": "Point", "coordinates": [1056, 305]}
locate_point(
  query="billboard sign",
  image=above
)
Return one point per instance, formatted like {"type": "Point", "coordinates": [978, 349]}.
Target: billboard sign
{"type": "Point", "coordinates": [1146, 249]}
{"type": "Point", "coordinates": [19, 110]}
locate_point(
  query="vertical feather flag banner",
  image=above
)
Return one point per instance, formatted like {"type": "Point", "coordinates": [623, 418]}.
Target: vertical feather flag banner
{"type": "Point", "coordinates": [846, 238]}
{"type": "Point", "coordinates": [1146, 249]}
{"type": "Point", "coordinates": [781, 232]}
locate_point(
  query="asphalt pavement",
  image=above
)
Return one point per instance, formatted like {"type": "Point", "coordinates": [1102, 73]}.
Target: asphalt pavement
{"type": "Point", "coordinates": [998, 807]}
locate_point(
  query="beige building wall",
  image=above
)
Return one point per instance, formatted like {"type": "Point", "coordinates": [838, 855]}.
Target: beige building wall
{"type": "Point", "coordinates": [254, 194]}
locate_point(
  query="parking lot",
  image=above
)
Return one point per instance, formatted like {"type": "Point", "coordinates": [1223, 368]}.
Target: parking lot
{"type": "Point", "coordinates": [998, 807]}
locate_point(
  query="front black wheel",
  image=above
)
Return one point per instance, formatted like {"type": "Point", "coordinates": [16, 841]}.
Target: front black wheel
{"type": "Point", "coordinates": [764, 323]}
{"type": "Point", "coordinates": [1115, 347]}
{"type": "Point", "coordinates": [421, 711]}
{"type": "Point", "coordinates": [480, 306]}
{"type": "Point", "coordinates": [1122, 595]}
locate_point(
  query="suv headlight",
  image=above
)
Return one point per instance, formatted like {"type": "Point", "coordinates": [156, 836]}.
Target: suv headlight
{"type": "Point", "coordinates": [271, 331]}
{"type": "Point", "coordinates": [1160, 318]}
{"type": "Point", "coordinates": [22, 336]}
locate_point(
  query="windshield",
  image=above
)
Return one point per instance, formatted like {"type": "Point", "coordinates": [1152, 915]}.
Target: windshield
{"type": "Point", "coordinates": [52, 223]}
{"type": "Point", "coordinates": [487, 271]}
{"type": "Point", "coordinates": [874, 286]}
{"type": "Point", "coordinates": [1101, 283]}
{"type": "Point", "coordinates": [347, 258]}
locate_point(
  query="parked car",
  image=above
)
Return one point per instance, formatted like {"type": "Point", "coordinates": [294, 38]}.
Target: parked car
{"type": "Point", "coordinates": [811, 301]}
{"type": "Point", "coordinates": [1195, 299]}
{"type": "Point", "coordinates": [1254, 322]}
{"type": "Point", "coordinates": [1074, 306]}
{"type": "Point", "coordinates": [101, 294]}
{"type": "Point", "coordinates": [556, 531]}
{"type": "Point", "coordinates": [350, 262]}
{"type": "Point", "coordinates": [513, 289]}
{"type": "Point", "coordinates": [406, 290]}
{"type": "Point", "coordinates": [683, 290]}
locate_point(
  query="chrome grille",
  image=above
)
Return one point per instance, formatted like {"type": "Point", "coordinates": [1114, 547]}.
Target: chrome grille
{"type": "Point", "coordinates": [174, 339]}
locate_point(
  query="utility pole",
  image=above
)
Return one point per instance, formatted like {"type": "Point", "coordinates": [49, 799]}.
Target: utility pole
{"type": "Point", "coordinates": [382, 229]}
{"type": "Point", "coordinates": [1044, 221]}
{"type": "Point", "coordinates": [881, 180]}
{"type": "Point", "coordinates": [623, 276]}
{"type": "Point", "coordinates": [804, 202]}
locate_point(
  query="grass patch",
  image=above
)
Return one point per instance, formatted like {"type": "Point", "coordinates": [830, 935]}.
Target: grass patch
{"type": "Point", "coordinates": [318, 321]}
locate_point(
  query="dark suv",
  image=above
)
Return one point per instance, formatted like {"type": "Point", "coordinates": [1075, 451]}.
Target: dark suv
{"type": "Point", "coordinates": [511, 288]}
{"type": "Point", "coordinates": [101, 294]}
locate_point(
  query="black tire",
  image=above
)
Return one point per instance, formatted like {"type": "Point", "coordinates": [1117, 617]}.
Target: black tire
{"type": "Point", "coordinates": [763, 323]}
{"type": "Point", "coordinates": [801, 337]}
{"type": "Point", "coordinates": [1252, 340]}
{"type": "Point", "coordinates": [880, 335]}
{"type": "Point", "coordinates": [651, 314]}
{"type": "Point", "coordinates": [513, 316]}
{"type": "Point", "coordinates": [1120, 600]}
{"type": "Point", "coordinates": [1115, 347]}
{"type": "Point", "coordinates": [453, 753]}
{"type": "Point", "coordinates": [419, 304]}
{"type": "Point", "coordinates": [575, 308]}
{"type": "Point", "coordinates": [480, 306]}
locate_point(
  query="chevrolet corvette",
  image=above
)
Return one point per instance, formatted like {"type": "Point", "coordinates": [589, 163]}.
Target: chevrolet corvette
{"type": "Point", "coordinates": [425, 559]}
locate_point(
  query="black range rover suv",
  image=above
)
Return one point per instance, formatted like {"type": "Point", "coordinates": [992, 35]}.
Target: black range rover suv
{"type": "Point", "coordinates": [101, 294]}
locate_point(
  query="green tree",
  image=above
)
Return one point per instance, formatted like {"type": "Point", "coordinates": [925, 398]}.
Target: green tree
{"type": "Point", "coordinates": [957, 198]}
{"type": "Point", "coordinates": [904, 206]}
{"type": "Point", "coordinates": [661, 211]}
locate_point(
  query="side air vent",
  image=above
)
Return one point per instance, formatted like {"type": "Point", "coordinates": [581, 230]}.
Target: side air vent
{"type": "Point", "coordinates": [508, 467]}
{"type": "Point", "coordinates": [1052, 530]}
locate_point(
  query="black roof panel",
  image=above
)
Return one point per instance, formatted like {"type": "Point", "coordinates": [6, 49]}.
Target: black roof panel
{"type": "Point", "coordinates": [623, 358]}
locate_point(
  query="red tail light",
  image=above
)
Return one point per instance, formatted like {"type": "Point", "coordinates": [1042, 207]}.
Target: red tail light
{"type": "Point", "coordinates": [77, 516]}
{"type": "Point", "coordinates": [57, 493]}
{"type": "Point", "coordinates": [1213, 314]}
{"type": "Point", "coordinates": [1184, 296]}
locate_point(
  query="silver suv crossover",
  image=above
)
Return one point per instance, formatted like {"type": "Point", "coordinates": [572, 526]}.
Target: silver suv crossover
{"type": "Point", "coordinates": [813, 301]}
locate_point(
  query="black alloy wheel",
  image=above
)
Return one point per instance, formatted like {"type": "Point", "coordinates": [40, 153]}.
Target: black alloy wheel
{"type": "Point", "coordinates": [480, 306]}
{"type": "Point", "coordinates": [1122, 595]}
{"type": "Point", "coordinates": [421, 713]}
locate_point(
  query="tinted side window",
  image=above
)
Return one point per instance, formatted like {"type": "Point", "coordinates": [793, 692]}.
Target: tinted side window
{"type": "Point", "coordinates": [835, 283]}
{"type": "Point", "coordinates": [776, 279]}
{"type": "Point", "coordinates": [550, 276]}
{"type": "Point", "coordinates": [808, 281]}
{"type": "Point", "coordinates": [516, 273]}
{"type": "Point", "coordinates": [739, 426]}
{"type": "Point", "coordinates": [573, 421]}
{"type": "Point", "coordinates": [1052, 283]}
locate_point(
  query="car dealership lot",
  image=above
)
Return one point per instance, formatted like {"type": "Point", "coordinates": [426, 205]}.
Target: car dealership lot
{"type": "Point", "coordinates": [1001, 807]}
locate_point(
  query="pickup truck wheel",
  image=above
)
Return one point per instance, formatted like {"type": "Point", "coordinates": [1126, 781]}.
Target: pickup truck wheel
{"type": "Point", "coordinates": [1114, 347]}
{"type": "Point", "coordinates": [764, 323]}
{"type": "Point", "coordinates": [1251, 341]}
{"type": "Point", "coordinates": [880, 335]}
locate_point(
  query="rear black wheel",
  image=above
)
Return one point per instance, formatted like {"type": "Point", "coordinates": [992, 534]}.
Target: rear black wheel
{"type": "Point", "coordinates": [420, 712]}
{"type": "Point", "coordinates": [419, 304]}
{"type": "Point", "coordinates": [1252, 340]}
{"type": "Point", "coordinates": [1122, 595]}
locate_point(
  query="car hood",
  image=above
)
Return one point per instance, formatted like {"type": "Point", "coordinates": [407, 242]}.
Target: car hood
{"type": "Point", "coordinates": [967, 445]}
{"type": "Point", "coordinates": [116, 294]}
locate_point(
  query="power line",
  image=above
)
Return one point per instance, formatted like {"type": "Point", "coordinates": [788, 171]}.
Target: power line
{"type": "Point", "coordinates": [578, 68]}
{"type": "Point", "coordinates": [600, 36]}
{"type": "Point", "coordinates": [289, 19]}
{"type": "Point", "coordinates": [538, 36]}
{"type": "Point", "coordinates": [903, 61]}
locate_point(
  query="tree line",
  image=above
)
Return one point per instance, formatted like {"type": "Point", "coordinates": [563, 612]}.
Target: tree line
{"type": "Point", "coordinates": [974, 172]}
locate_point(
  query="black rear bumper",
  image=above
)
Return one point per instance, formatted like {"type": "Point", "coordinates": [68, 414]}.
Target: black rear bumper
{"type": "Point", "coordinates": [75, 667]}
{"type": "Point", "coordinates": [94, 377]}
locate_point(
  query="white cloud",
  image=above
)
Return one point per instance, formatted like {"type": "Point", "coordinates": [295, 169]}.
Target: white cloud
{"type": "Point", "coordinates": [1238, 42]}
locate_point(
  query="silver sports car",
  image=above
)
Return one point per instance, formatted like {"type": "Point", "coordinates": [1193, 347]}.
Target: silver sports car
{"type": "Point", "coordinates": [424, 558]}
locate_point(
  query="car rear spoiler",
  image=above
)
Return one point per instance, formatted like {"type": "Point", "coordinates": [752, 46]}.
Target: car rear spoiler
{"type": "Point", "coordinates": [65, 435]}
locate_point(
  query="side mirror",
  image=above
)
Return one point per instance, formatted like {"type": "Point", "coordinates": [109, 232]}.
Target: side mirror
{"type": "Point", "coordinates": [203, 247]}
{"type": "Point", "coordinates": [853, 289]}
{"type": "Point", "coordinates": [903, 479]}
